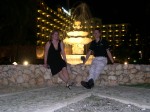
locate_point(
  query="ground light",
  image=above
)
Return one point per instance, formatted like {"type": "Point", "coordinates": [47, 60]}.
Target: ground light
{"type": "Point", "coordinates": [114, 57]}
{"type": "Point", "coordinates": [15, 63]}
{"type": "Point", "coordinates": [125, 62]}
{"type": "Point", "coordinates": [25, 63]}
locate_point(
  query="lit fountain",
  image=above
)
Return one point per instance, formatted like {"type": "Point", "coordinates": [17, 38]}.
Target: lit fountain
{"type": "Point", "coordinates": [78, 33]}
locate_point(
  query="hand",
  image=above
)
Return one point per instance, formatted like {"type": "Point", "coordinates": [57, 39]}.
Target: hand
{"type": "Point", "coordinates": [83, 59]}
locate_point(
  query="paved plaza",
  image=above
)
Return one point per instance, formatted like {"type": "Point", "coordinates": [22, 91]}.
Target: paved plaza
{"type": "Point", "coordinates": [78, 99]}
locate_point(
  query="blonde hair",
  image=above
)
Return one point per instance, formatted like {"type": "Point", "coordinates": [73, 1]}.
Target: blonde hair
{"type": "Point", "coordinates": [50, 35]}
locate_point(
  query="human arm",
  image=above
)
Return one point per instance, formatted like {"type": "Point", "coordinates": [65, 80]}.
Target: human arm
{"type": "Point", "coordinates": [46, 53]}
{"type": "Point", "coordinates": [87, 56]}
{"type": "Point", "coordinates": [110, 56]}
{"type": "Point", "coordinates": [63, 51]}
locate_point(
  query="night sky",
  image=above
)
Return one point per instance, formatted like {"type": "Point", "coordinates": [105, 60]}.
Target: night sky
{"type": "Point", "coordinates": [113, 11]}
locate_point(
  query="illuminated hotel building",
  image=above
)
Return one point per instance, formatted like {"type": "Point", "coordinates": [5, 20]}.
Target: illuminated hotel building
{"type": "Point", "coordinates": [116, 34]}
{"type": "Point", "coordinates": [48, 20]}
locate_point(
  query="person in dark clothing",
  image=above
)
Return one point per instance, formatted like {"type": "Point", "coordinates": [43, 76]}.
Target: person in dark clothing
{"type": "Point", "coordinates": [100, 49]}
{"type": "Point", "coordinates": [55, 57]}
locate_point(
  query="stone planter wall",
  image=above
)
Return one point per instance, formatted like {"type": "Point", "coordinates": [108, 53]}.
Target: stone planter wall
{"type": "Point", "coordinates": [38, 76]}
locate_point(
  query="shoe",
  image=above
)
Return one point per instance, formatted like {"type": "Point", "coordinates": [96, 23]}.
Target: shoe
{"type": "Point", "coordinates": [85, 84]}
{"type": "Point", "coordinates": [91, 83]}
{"type": "Point", "coordinates": [72, 83]}
{"type": "Point", "coordinates": [69, 87]}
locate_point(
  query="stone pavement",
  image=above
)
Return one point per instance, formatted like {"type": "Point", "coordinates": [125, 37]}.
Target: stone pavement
{"type": "Point", "coordinates": [58, 98]}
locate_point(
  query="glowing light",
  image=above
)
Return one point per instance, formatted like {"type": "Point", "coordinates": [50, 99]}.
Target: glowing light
{"type": "Point", "coordinates": [77, 33]}
{"type": "Point", "coordinates": [114, 57]}
{"type": "Point", "coordinates": [78, 29]}
{"type": "Point", "coordinates": [66, 11]}
{"type": "Point", "coordinates": [15, 63]}
{"type": "Point", "coordinates": [40, 52]}
{"type": "Point", "coordinates": [25, 63]}
{"type": "Point", "coordinates": [78, 40]}
{"type": "Point", "coordinates": [125, 62]}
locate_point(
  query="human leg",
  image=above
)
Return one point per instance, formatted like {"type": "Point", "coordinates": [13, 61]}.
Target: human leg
{"type": "Point", "coordinates": [61, 76]}
{"type": "Point", "coordinates": [96, 68]}
{"type": "Point", "coordinates": [64, 75]}
{"type": "Point", "coordinates": [89, 83]}
{"type": "Point", "coordinates": [99, 68]}
{"type": "Point", "coordinates": [92, 69]}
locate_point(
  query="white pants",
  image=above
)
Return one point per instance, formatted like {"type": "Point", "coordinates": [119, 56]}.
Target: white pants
{"type": "Point", "coordinates": [96, 68]}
